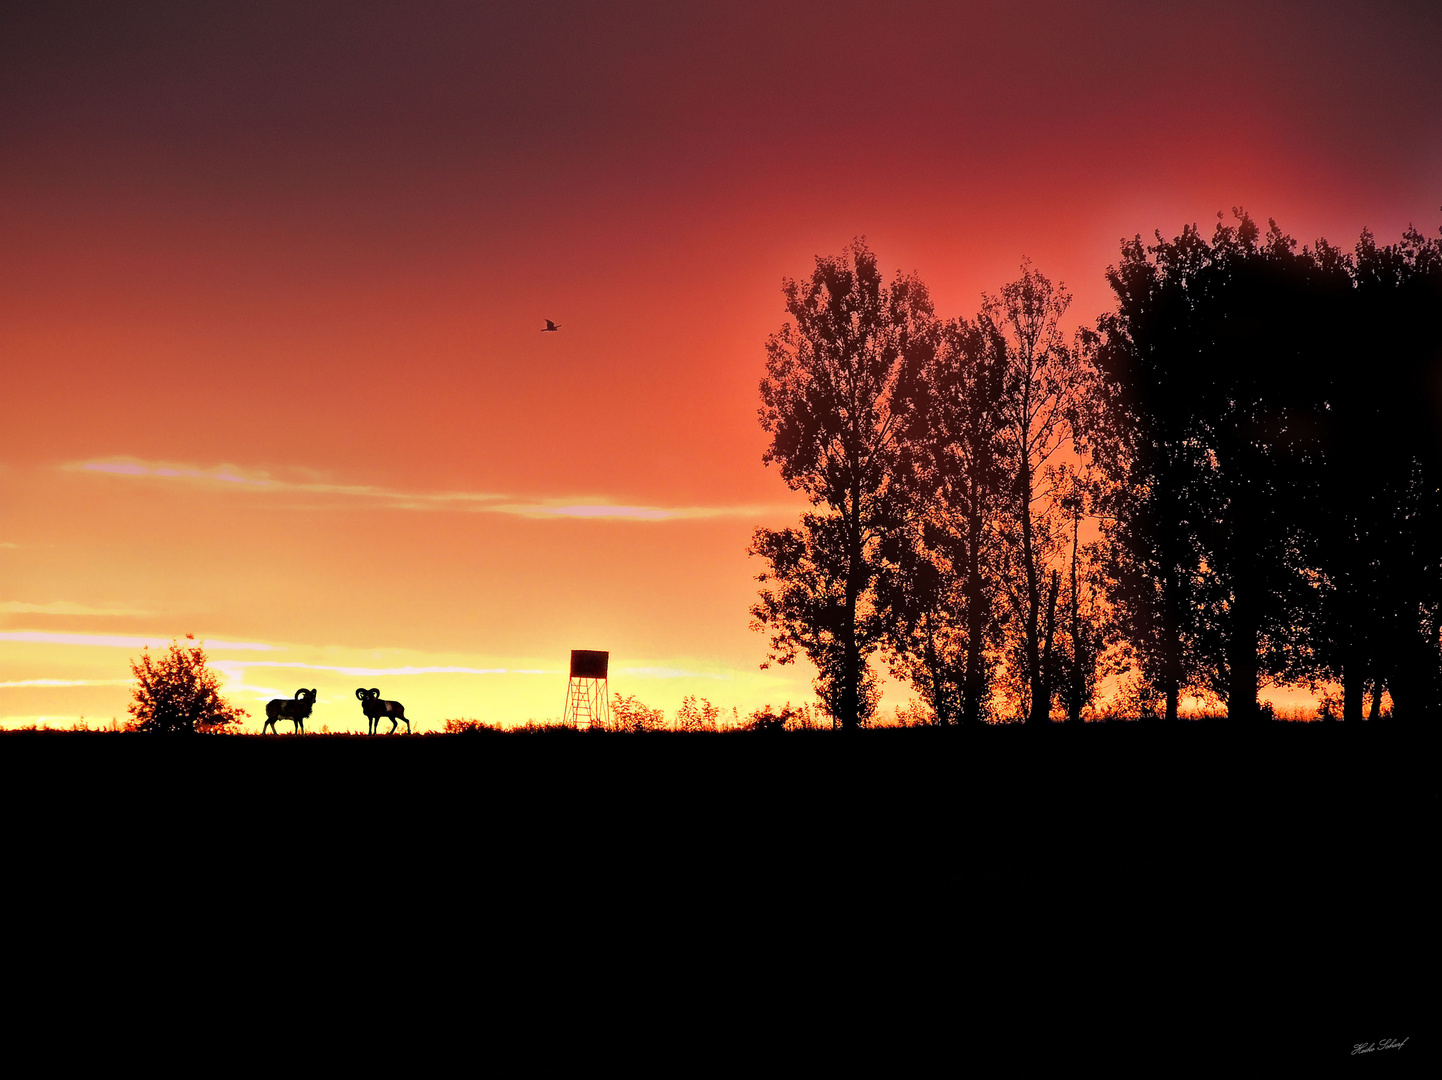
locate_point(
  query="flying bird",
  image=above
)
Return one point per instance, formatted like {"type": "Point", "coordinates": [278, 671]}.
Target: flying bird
{"type": "Point", "coordinates": [550, 326]}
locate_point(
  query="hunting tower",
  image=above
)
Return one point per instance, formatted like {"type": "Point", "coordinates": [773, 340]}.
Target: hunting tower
{"type": "Point", "coordinates": [588, 694]}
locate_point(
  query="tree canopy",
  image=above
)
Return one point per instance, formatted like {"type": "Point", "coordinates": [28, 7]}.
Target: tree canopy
{"type": "Point", "coordinates": [176, 692]}
{"type": "Point", "coordinates": [1252, 433]}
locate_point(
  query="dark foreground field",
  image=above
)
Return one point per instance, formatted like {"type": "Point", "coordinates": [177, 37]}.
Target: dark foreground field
{"type": "Point", "coordinates": [1128, 809]}
{"type": "Point", "coordinates": [1315, 844]}
{"type": "Point", "coordinates": [887, 812]}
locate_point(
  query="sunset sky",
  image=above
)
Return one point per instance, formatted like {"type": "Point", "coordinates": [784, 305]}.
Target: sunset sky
{"type": "Point", "coordinates": [272, 280]}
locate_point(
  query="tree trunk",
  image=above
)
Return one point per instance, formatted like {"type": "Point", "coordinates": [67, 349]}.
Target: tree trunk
{"type": "Point", "coordinates": [1171, 639]}
{"type": "Point", "coordinates": [850, 663]}
{"type": "Point", "coordinates": [851, 655]}
{"type": "Point", "coordinates": [1033, 594]}
{"type": "Point", "coordinates": [1041, 693]}
{"type": "Point", "coordinates": [1354, 685]}
{"type": "Point", "coordinates": [1242, 657]}
{"type": "Point", "coordinates": [1079, 655]}
{"type": "Point", "coordinates": [974, 687]}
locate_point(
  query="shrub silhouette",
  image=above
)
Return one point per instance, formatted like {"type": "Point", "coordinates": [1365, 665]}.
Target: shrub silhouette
{"type": "Point", "coordinates": [175, 691]}
{"type": "Point", "coordinates": [697, 715]}
{"type": "Point", "coordinates": [628, 714]}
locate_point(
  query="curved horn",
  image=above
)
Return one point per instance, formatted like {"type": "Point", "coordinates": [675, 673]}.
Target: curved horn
{"type": "Point", "coordinates": [299, 693]}
{"type": "Point", "coordinates": [375, 693]}
{"type": "Point", "coordinates": [360, 694]}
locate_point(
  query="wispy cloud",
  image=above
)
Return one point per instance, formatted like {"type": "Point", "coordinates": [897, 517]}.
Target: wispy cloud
{"type": "Point", "coordinates": [222, 477]}
{"type": "Point", "coordinates": [65, 607]}
{"type": "Point", "coordinates": [123, 641]}
{"type": "Point", "coordinates": [67, 682]}
{"type": "Point", "coordinates": [235, 478]}
{"type": "Point", "coordinates": [234, 667]}
{"type": "Point", "coordinates": [645, 513]}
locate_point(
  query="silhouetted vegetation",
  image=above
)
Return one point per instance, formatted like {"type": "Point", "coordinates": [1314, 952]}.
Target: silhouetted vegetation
{"type": "Point", "coordinates": [698, 715]}
{"type": "Point", "coordinates": [1252, 432]}
{"type": "Point", "coordinates": [788, 718]}
{"type": "Point", "coordinates": [1271, 463]}
{"type": "Point", "coordinates": [840, 402]}
{"type": "Point", "coordinates": [630, 715]}
{"type": "Point", "coordinates": [177, 692]}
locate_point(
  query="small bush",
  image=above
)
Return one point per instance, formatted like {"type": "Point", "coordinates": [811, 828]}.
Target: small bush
{"type": "Point", "coordinates": [630, 715]}
{"type": "Point", "coordinates": [913, 714]}
{"type": "Point", "coordinates": [468, 727]}
{"type": "Point", "coordinates": [697, 716]}
{"type": "Point", "coordinates": [800, 718]}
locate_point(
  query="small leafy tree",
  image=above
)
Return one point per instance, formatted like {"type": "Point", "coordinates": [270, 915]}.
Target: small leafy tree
{"type": "Point", "coordinates": [175, 691]}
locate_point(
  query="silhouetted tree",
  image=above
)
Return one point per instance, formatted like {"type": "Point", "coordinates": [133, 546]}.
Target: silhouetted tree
{"type": "Point", "coordinates": [841, 402]}
{"type": "Point", "coordinates": [1212, 451]}
{"type": "Point", "coordinates": [1044, 384]}
{"type": "Point", "coordinates": [1087, 631]}
{"type": "Point", "coordinates": [176, 692]}
{"type": "Point", "coordinates": [1380, 501]}
{"type": "Point", "coordinates": [939, 594]}
{"type": "Point", "coordinates": [1262, 327]}
{"type": "Point", "coordinates": [1147, 441]}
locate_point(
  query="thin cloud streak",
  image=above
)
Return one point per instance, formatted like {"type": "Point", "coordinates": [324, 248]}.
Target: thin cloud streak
{"type": "Point", "coordinates": [232, 476]}
{"type": "Point", "coordinates": [119, 641]}
{"type": "Point", "coordinates": [67, 682]}
{"type": "Point", "coordinates": [230, 667]}
{"type": "Point", "coordinates": [590, 507]}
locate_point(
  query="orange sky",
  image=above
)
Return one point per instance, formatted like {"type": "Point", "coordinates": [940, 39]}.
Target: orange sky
{"type": "Point", "coordinates": [272, 280]}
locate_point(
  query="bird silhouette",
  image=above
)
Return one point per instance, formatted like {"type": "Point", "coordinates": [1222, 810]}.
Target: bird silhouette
{"type": "Point", "coordinates": [550, 326]}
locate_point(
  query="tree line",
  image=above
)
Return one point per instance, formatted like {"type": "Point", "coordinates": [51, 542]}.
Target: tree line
{"type": "Point", "coordinates": [1233, 477]}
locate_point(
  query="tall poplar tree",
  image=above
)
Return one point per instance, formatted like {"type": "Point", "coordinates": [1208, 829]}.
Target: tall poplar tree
{"type": "Point", "coordinates": [1044, 386]}
{"type": "Point", "coordinates": [940, 592]}
{"type": "Point", "coordinates": [842, 402]}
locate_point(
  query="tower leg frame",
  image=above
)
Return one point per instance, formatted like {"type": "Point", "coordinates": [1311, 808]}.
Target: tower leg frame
{"type": "Point", "coordinates": [587, 704]}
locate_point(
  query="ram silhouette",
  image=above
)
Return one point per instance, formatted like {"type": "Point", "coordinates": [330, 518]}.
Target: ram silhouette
{"type": "Point", "coordinates": [297, 710]}
{"type": "Point", "coordinates": [376, 709]}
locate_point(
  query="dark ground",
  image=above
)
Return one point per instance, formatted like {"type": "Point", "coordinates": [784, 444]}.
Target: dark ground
{"type": "Point", "coordinates": [1297, 857]}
